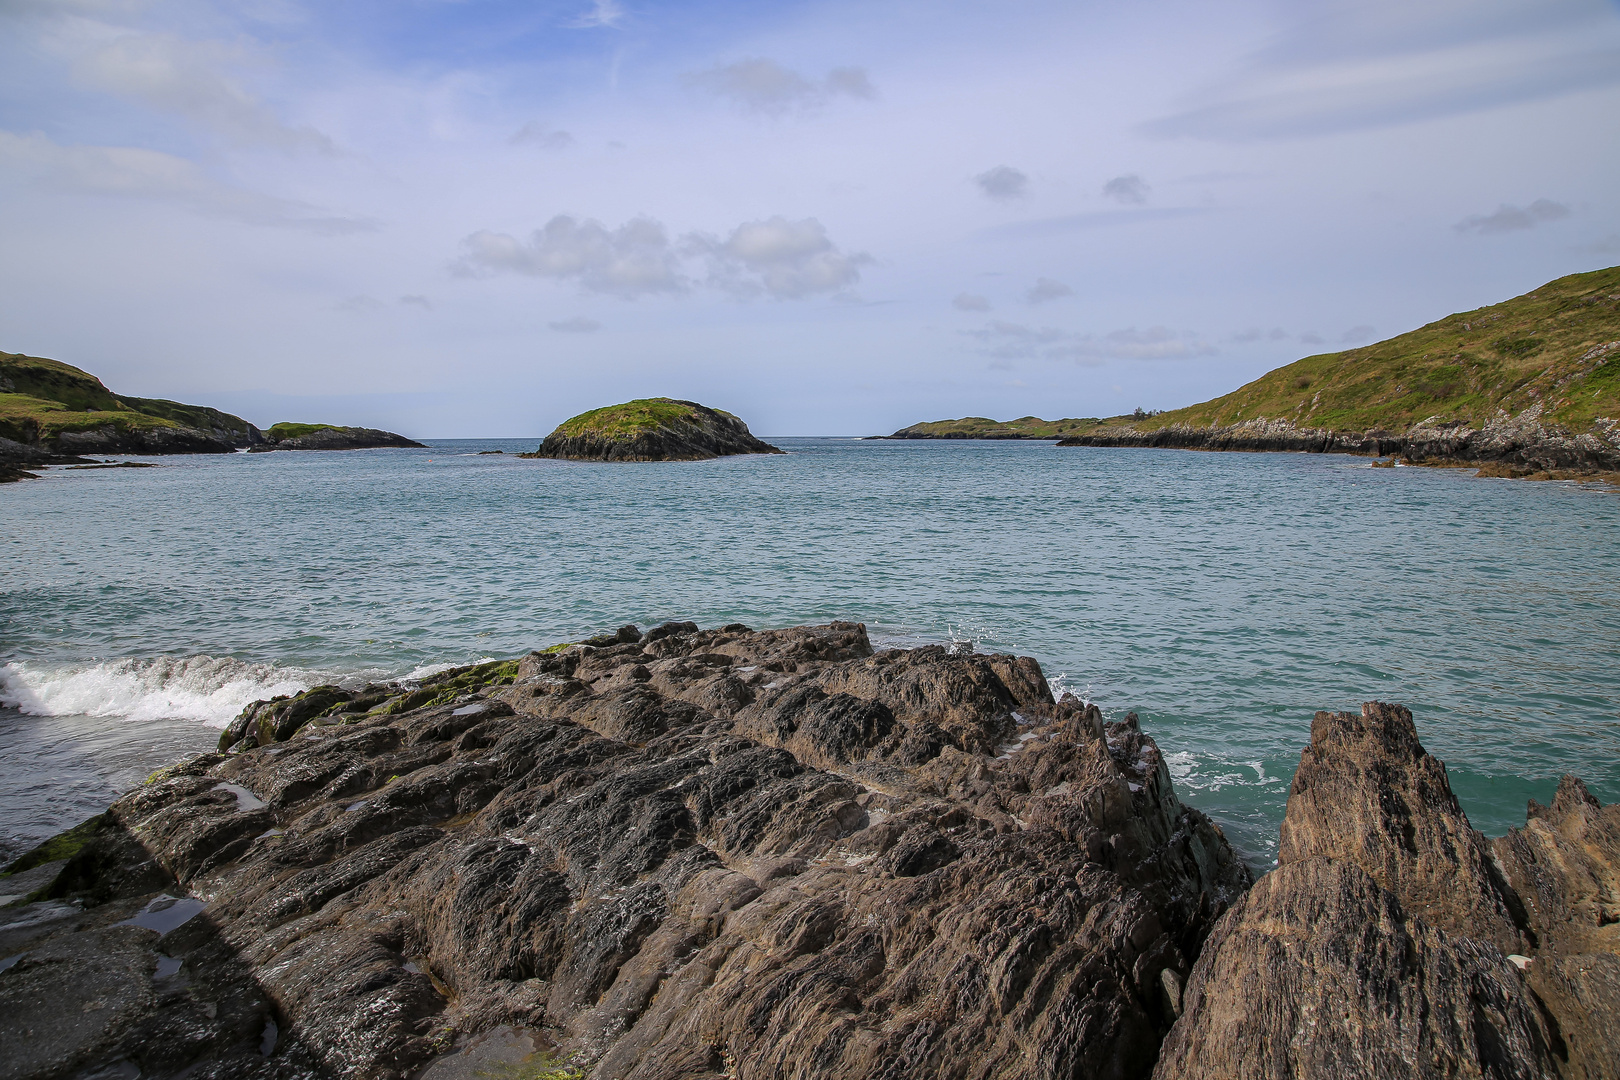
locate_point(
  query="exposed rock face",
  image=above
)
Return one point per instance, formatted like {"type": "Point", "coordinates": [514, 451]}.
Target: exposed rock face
{"type": "Point", "coordinates": [334, 438]}
{"type": "Point", "coordinates": [682, 853]}
{"type": "Point", "coordinates": [1520, 440]}
{"type": "Point", "coordinates": [1389, 941]}
{"type": "Point", "coordinates": [113, 439]}
{"type": "Point", "coordinates": [651, 429]}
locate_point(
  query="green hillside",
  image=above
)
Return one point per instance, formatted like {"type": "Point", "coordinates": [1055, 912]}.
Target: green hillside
{"type": "Point", "coordinates": [978, 427]}
{"type": "Point", "coordinates": [42, 398]}
{"type": "Point", "coordinates": [1557, 346]}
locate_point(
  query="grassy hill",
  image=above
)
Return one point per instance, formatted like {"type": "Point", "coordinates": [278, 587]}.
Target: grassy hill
{"type": "Point", "coordinates": [1557, 346]}
{"type": "Point", "coordinates": [41, 399]}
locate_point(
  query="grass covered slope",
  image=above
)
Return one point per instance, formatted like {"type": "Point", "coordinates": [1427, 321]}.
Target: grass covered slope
{"type": "Point", "coordinates": [651, 429]}
{"type": "Point", "coordinates": [1555, 347]}
{"type": "Point", "coordinates": [48, 403]}
{"type": "Point", "coordinates": [291, 436]}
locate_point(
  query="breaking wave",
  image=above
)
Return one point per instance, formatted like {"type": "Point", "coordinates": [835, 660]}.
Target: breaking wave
{"type": "Point", "coordinates": [208, 689]}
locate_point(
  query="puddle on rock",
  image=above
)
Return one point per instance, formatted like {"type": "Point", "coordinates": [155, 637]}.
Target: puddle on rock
{"type": "Point", "coordinates": [166, 913]}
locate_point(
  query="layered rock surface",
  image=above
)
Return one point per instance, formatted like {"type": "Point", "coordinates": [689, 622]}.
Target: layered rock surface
{"type": "Point", "coordinates": [651, 429]}
{"type": "Point", "coordinates": [682, 853]}
{"type": "Point", "coordinates": [329, 437]}
{"type": "Point", "coordinates": [1394, 940]}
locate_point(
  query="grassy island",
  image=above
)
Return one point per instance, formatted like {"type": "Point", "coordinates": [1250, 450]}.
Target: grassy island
{"type": "Point", "coordinates": [651, 429]}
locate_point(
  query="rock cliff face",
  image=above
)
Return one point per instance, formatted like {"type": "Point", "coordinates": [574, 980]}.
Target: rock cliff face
{"type": "Point", "coordinates": [651, 429]}
{"type": "Point", "coordinates": [683, 853]}
{"type": "Point", "coordinates": [1521, 441]}
{"type": "Point", "coordinates": [1394, 940]}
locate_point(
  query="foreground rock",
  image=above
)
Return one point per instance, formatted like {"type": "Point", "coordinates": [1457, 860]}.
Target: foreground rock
{"type": "Point", "coordinates": [651, 429]}
{"type": "Point", "coordinates": [1394, 940]}
{"type": "Point", "coordinates": [328, 437]}
{"type": "Point", "coordinates": [682, 853]}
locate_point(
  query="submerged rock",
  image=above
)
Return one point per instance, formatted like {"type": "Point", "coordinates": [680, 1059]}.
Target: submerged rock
{"type": "Point", "coordinates": [651, 429]}
{"type": "Point", "coordinates": [678, 853]}
{"type": "Point", "coordinates": [1394, 940]}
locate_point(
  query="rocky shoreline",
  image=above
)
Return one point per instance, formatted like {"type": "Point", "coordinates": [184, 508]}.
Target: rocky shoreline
{"type": "Point", "coordinates": [748, 854]}
{"type": "Point", "coordinates": [1521, 443]}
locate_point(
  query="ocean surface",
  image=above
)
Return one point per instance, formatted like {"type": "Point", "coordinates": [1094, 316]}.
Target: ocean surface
{"type": "Point", "coordinates": [1223, 597]}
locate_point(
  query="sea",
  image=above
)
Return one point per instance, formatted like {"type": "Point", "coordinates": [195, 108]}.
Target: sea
{"type": "Point", "coordinates": [1222, 597]}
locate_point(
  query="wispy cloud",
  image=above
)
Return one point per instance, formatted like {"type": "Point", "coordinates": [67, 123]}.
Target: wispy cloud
{"type": "Point", "coordinates": [764, 86]}
{"type": "Point", "coordinates": [1131, 190]}
{"type": "Point", "coordinates": [782, 259]}
{"type": "Point", "coordinates": [1358, 334]}
{"type": "Point", "coordinates": [132, 172]}
{"type": "Point", "coordinates": [1010, 341]}
{"type": "Point", "coordinates": [577, 325]}
{"type": "Point", "coordinates": [608, 14]}
{"type": "Point", "coordinates": [1046, 289]}
{"type": "Point", "coordinates": [1098, 219]}
{"type": "Point", "coordinates": [546, 138]}
{"type": "Point", "coordinates": [1003, 183]}
{"type": "Point", "coordinates": [417, 300]}
{"type": "Point", "coordinates": [1342, 65]}
{"type": "Point", "coordinates": [1512, 218]}
{"type": "Point", "coordinates": [970, 302]}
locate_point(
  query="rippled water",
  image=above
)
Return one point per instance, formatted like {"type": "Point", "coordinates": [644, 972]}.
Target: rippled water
{"type": "Point", "coordinates": [1224, 597]}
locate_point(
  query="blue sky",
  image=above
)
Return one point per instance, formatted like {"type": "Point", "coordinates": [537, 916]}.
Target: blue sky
{"type": "Point", "coordinates": [479, 217]}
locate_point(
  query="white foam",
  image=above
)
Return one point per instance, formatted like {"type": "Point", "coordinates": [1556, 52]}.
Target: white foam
{"type": "Point", "coordinates": [212, 690]}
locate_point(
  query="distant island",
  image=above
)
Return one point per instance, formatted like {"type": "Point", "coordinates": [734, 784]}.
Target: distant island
{"type": "Point", "coordinates": [651, 429]}
{"type": "Point", "coordinates": [1527, 387]}
{"type": "Point", "coordinates": [287, 436]}
{"type": "Point", "coordinates": [978, 427]}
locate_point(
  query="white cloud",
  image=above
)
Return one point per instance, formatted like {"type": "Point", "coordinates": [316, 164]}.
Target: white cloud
{"type": "Point", "coordinates": [762, 85]}
{"type": "Point", "coordinates": [184, 77]}
{"type": "Point", "coordinates": [1046, 289]}
{"type": "Point", "coordinates": [1511, 218]}
{"type": "Point", "coordinates": [577, 325]}
{"type": "Point", "coordinates": [784, 259]}
{"type": "Point", "coordinates": [1130, 189]}
{"type": "Point", "coordinates": [970, 302]}
{"type": "Point", "coordinates": [636, 259]}
{"type": "Point", "coordinates": [132, 172]}
{"type": "Point", "coordinates": [1003, 182]}
{"type": "Point", "coordinates": [540, 135]}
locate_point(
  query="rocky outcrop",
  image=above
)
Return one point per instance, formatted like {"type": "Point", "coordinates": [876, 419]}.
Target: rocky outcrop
{"type": "Point", "coordinates": [1521, 441]}
{"type": "Point", "coordinates": [322, 437]}
{"type": "Point", "coordinates": [16, 459]}
{"type": "Point", "coordinates": [118, 439]}
{"type": "Point", "coordinates": [1394, 940]}
{"type": "Point", "coordinates": [678, 853]}
{"type": "Point", "coordinates": [651, 429]}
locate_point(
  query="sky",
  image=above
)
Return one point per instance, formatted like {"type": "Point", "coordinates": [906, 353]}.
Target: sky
{"type": "Point", "coordinates": [476, 218]}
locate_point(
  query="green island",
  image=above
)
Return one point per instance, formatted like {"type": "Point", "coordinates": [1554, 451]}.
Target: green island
{"type": "Point", "coordinates": [979, 427]}
{"type": "Point", "coordinates": [651, 429]}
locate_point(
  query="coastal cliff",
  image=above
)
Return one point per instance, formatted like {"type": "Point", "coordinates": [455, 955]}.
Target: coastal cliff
{"type": "Point", "coordinates": [771, 854]}
{"type": "Point", "coordinates": [1532, 384]}
{"type": "Point", "coordinates": [651, 429]}
{"type": "Point", "coordinates": [61, 410]}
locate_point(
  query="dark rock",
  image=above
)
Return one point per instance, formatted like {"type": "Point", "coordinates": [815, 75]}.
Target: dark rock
{"type": "Point", "coordinates": [331, 438]}
{"type": "Point", "coordinates": [1392, 940]}
{"type": "Point", "coordinates": [911, 863]}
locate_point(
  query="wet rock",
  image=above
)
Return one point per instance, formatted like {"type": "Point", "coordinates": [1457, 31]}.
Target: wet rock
{"type": "Point", "coordinates": [718, 852]}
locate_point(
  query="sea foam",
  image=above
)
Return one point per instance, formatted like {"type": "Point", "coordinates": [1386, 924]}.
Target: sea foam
{"type": "Point", "coordinates": [208, 689]}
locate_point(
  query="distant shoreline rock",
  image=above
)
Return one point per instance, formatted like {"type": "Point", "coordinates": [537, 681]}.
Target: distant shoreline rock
{"type": "Point", "coordinates": [287, 436]}
{"type": "Point", "coordinates": [1031, 428]}
{"type": "Point", "coordinates": [651, 429]}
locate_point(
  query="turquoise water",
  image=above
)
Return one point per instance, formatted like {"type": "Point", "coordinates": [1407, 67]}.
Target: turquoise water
{"type": "Point", "coordinates": [1224, 597]}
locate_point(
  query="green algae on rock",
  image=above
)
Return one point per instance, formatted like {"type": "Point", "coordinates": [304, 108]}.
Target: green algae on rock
{"type": "Point", "coordinates": [651, 429]}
